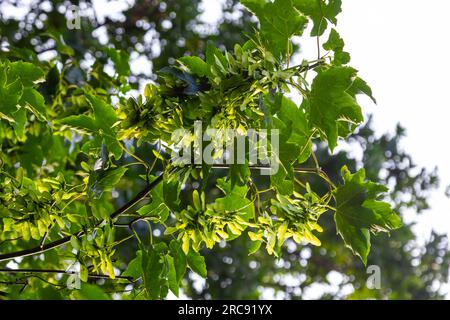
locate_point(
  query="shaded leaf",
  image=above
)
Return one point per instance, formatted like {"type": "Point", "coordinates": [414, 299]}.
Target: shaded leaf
{"type": "Point", "coordinates": [333, 108]}
{"type": "Point", "coordinates": [28, 73]}
{"type": "Point", "coordinates": [321, 12]}
{"type": "Point", "coordinates": [359, 211]}
{"type": "Point", "coordinates": [279, 21]}
{"type": "Point", "coordinates": [336, 44]}
{"type": "Point", "coordinates": [197, 263]}
{"type": "Point", "coordinates": [120, 58]}
{"type": "Point", "coordinates": [196, 65]}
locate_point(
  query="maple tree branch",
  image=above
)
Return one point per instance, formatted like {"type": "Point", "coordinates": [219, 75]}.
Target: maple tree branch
{"type": "Point", "coordinates": [303, 68]}
{"type": "Point", "coordinates": [141, 195]}
{"type": "Point", "coordinates": [94, 276]}
{"type": "Point", "coordinates": [42, 248]}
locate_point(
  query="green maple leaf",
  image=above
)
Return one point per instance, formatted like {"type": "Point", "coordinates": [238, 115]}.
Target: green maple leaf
{"type": "Point", "coordinates": [120, 59]}
{"type": "Point", "coordinates": [359, 212]}
{"type": "Point", "coordinates": [152, 268]}
{"type": "Point", "coordinates": [336, 44]}
{"type": "Point", "coordinates": [333, 106]}
{"type": "Point", "coordinates": [28, 73]}
{"type": "Point", "coordinates": [299, 132]}
{"type": "Point", "coordinates": [156, 207]}
{"type": "Point", "coordinates": [101, 125]}
{"type": "Point", "coordinates": [134, 268]}
{"type": "Point", "coordinates": [320, 12]}
{"type": "Point", "coordinates": [235, 200]}
{"type": "Point", "coordinates": [359, 86]}
{"type": "Point", "coordinates": [279, 21]}
{"type": "Point", "coordinates": [294, 142]}
{"type": "Point", "coordinates": [180, 262]}
{"type": "Point", "coordinates": [197, 263]}
{"type": "Point", "coordinates": [195, 65]}
{"type": "Point", "coordinates": [34, 101]}
{"type": "Point", "coordinates": [16, 92]}
{"type": "Point", "coordinates": [10, 91]}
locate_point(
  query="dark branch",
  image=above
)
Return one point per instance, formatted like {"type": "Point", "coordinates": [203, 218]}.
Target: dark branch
{"type": "Point", "coordinates": [94, 276]}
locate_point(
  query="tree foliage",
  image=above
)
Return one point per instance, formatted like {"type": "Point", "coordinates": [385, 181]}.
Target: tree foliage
{"type": "Point", "coordinates": [84, 165]}
{"type": "Point", "coordinates": [409, 269]}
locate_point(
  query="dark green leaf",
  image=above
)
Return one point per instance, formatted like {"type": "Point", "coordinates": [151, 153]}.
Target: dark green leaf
{"type": "Point", "coordinates": [172, 276]}
{"type": "Point", "coordinates": [134, 268]}
{"type": "Point", "coordinates": [196, 65]}
{"type": "Point", "coordinates": [179, 259]}
{"type": "Point", "coordinates": [359, 211]}
{"type": "Point", "coordinates": [152, 268]}
{"type": "Point", "coordinates": [334, 109]}
{"type": "Point", "coordinates": [28, 73]}
{"type": "Point", "coordinates": [120, 59]}
{"type": "Point", "coordinates": [320, 11]}
{"type": "Point", "coordinates": [105, 180]}
{"type": "Point", "coordinates": [81, 122]}
{"type": "Point", "coordinates": [336, 44]}
{"type": "Point", "coordinates": [197, 263]}
{"type": "Point", "coordinates": [10, 92]}
{"type": "Point", "coordinates": [279, 20]}
{"type": "Point", "coordinates": [171, 192]}
{"type": "Point", "coordinates": [359, 86]}
{"type": "Point", "coordinates": [34, 101]}
{"type": "Point", "coordinates": [91, 292]}
{"type": "Point", "coordinates": [105, 118]}
{"type": "Point", "coordinates": [295, 120]}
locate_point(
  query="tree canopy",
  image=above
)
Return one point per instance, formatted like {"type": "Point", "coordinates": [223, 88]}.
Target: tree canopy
{"type": "Point", "coordinates": [90, 190]}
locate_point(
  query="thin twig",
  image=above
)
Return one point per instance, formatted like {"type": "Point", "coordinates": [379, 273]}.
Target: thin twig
{"type": "Point", "coordinates": [94, 276]}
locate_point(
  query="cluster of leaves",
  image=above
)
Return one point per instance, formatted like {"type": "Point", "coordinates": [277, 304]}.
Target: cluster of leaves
{"type": "Point", "coordinates": [17, 82]}
{"type": "Point", "coordinates": [163, 266]}
{"type": "Point", "coordinates": [67, 192]}
{"type": "Point", "coordinates": [410, 269]}
{"type": "Point", "coordinates": [223, 92]}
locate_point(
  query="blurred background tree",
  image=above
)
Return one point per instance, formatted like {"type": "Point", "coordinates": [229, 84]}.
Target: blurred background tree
{"type": "Point", "coordinates": [154, 33]}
